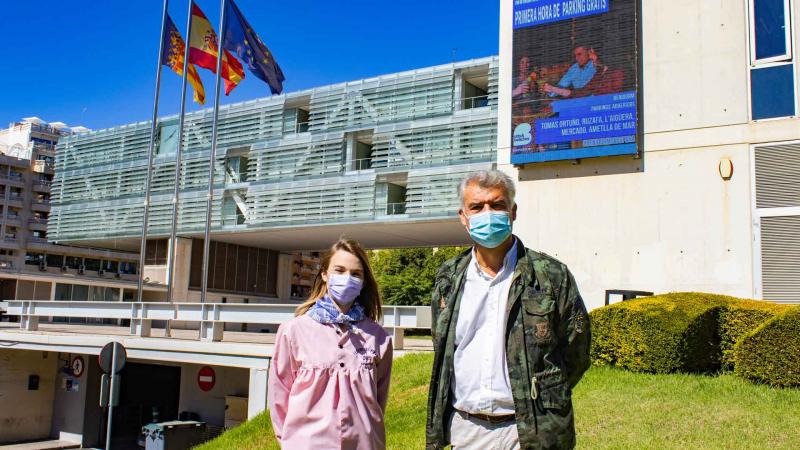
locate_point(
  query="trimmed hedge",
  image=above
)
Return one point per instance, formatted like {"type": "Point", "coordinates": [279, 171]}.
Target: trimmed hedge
{"type": "Point", "coordinates": [740, 317]}
{"type": "Point", "coordinates": [677, 332]}
{"type": "Point", "coordinates": [771, 353]}
{"type": "Point", "coordinates": [661, 334]}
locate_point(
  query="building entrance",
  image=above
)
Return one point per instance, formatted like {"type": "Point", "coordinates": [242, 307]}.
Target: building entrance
{"type": "Point", "coordinates": [148, 393]}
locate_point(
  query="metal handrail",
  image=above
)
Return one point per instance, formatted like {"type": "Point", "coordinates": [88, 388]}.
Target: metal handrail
{"type": "Point", "coordinates": [301, 127]}
{"type": "Point", "coordinates": [395, 208]}
{"type": "Point", "coordinates": [475, 102]}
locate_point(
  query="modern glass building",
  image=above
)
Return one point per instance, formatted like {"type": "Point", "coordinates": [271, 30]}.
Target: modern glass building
{"type": "Point", "coordinates": [377, 152]}
{"type": "Point", "coordinates": [377, 159]}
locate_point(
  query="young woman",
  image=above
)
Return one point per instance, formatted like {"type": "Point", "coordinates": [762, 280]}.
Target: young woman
{"type": "Point", "coordinates": [329, 375]}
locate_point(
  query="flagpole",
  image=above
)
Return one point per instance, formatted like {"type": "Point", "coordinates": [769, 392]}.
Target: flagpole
{"type": "Point", "coordinates": [213, 156]}
{"type": "Point", "coordinates": [173, 232]}
{"type": "Point", "coordinates": [149, 176]}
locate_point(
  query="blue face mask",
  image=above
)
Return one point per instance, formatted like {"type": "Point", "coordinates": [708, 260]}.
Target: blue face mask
{"type": "Point", "coordinates": [490, 229]}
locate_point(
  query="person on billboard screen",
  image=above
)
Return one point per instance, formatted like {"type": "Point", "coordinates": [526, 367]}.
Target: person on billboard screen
{"type": "Point", "coordinates": [510, 333]}
{"type": "Point", "coordinates": [606, 80]}
{"type": "Point", "coordinates": [578, 75]}
{"type": "Point", "coordinates": [329, 376]}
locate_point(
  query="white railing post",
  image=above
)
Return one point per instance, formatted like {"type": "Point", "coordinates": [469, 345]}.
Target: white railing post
{"type": "Point", "coordinates": [27, 320]}
{"type": "Point", "coordinates": [211, 329]}
{"type": "Point", "coordinates": [140, 324]}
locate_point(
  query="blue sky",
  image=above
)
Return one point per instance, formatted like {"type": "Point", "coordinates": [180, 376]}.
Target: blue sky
{"type": "Point", "coordinates": [92, 63]}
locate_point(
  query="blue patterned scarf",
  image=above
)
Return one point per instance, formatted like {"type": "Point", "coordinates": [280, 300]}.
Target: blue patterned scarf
{"type": "Point", "coordinates": [324, 311]}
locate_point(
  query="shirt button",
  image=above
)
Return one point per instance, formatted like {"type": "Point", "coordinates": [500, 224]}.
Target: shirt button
{"type": "Point", "coordinates": [341, 346]}
{"type": "Point", "coordinates": [341, 364]}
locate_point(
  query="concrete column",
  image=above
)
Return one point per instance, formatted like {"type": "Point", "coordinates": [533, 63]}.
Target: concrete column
{"type": "Point", "coordinates": [397, 338]}
{"type": "Point", "coordinates": [183, 261]}
{"type": "Point", "coordinates": [284, 279]}
{"type": "Point", "coordinates": [350, 151]}
{"type": "Point", "coordinates": [257, 393]}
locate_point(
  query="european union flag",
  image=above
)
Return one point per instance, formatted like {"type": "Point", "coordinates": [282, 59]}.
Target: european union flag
{"type": "Point", "coordinates": [241, 39]}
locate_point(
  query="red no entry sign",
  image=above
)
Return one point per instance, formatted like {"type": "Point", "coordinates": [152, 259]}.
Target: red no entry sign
{"type": "Point", "coordinates": [206, 378]}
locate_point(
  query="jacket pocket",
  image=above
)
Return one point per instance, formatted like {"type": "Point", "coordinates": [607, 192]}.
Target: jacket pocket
{"type": "Point", "coordinates": [551, 389]}
{"type": "Point", "coordinates": [539, 319]}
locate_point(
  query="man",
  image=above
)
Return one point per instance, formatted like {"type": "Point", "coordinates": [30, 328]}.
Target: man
{"type": "Point", "coordinates": [578, 76]}
{"type": "Point", "coordinates": [510, 332]}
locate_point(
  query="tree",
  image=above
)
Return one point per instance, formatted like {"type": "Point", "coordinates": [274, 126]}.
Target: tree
{"type": "Point", "coordinates": [406, 276]}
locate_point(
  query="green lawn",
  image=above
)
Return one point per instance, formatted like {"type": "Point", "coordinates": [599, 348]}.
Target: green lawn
{"type": "Point", "coordinates": [613, 408]}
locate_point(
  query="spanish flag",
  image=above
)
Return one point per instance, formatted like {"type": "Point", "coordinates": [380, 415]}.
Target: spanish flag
{"type": "Point", "coordinates": [203, 47]}
{"type": "Point", "coordinates": [172, 57]}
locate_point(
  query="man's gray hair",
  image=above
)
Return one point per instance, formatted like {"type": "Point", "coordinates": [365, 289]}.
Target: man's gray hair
{"type": "Point", "coordinates": [488, 179]}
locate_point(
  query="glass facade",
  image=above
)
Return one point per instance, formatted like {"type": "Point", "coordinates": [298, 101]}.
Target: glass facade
{"type": "Point", "coordinates": [313, 157]}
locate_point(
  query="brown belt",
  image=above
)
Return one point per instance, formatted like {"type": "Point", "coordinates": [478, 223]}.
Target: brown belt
{"type": "Point", "coordinates": [491, 419]}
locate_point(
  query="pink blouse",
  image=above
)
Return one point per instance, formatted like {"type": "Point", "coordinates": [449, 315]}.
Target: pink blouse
{"type": "Point", "coordinates": [327, 387]}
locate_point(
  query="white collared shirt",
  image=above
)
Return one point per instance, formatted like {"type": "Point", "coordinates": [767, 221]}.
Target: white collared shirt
{"type": "Point", "coordinates": [480, 384]}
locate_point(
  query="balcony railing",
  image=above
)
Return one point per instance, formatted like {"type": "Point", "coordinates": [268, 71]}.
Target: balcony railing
{"type": "Point", "coordinates": [10, 238]}
{"type": "Point", "coordinates": [395, 208]}
{"type": "Point", "coordinates": [6, 264]}
{"type": "Point", "coordinates": [362, 164]}
{"type": "Point", "coordinates": [475, 102]}
{"type": "Point", "coordinates": [212, 317]}
{"type": "Point", "coordinates": [37, 220]}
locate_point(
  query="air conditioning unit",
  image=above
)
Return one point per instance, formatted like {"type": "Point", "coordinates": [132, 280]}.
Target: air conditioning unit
{"type": "Point", "coordinates": [100, 272]}
{"type": "Point", "coordinates": [63, 268]}
{"type": "Point", "coordinates": [81, 269]}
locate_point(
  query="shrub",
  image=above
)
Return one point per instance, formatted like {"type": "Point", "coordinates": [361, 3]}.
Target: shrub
{"type": "Point", "coordinates": [661, 334]}
{"type": "Point", "coordinates": [738, 318]}
{"type": "Point", "coordinates": [771, 353]}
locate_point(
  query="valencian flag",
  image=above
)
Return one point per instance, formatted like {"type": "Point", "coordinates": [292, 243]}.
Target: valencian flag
{"type": "Point", "coordinates": [203, 51]}
{"type": "Point", "coordinates": [172, 57]}
{"type": "Point", "coordinates": [242, 40]}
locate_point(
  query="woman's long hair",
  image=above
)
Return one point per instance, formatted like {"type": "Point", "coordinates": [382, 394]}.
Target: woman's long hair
{"type": "Point", "coordinates": [369, 298]}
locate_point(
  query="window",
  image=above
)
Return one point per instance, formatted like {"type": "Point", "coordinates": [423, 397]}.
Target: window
{"type": "Point", "coordinates": [110, 266]}
{"type": "Point", "coordinates": [127, 268]}
{"type": "Point", "coordinates": [772, 84]}
{"type": "Point", "coordinates": [236, 169]}
{"type": "Point", "coordinates": [770, 34]}
{"type": "Point", "coordinates": [33, 259]}
{"type": "Point", "coordinates": [167, 139]}
{"type": "Point", "coordinates": [55, 260]}
{"type": "Point", "coordinates": [73, 262]}
{"type": "Point", "coordinates": [295, 120]}
{"type": "Point", "coordinates": [156, 252]}
{"type": "Point", "coordinates": [772, 91]}
{"type": "Point", "coordinates": [91, 264]}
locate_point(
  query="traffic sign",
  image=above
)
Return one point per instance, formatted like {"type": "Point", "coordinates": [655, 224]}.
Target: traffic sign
{"type": "Point", "coordinates": [206, 378]}
{"type": "Point", "coordinates": [77, 366]}
{"type": "Point", "coordinates": [106, 355]}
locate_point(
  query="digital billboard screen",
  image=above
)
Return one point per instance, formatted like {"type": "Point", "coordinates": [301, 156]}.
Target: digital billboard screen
{"type": "Point", "coordinates": [575, 90]}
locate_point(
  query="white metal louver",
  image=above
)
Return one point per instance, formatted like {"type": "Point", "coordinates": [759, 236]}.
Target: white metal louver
{"type": "Point", "coordinates": [777, 193]}
{"type": "Point", "coordinates": [780, 258]}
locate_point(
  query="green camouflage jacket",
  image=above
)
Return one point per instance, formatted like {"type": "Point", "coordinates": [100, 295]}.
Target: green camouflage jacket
{"type": "Point", "coordinates": [547, 348]}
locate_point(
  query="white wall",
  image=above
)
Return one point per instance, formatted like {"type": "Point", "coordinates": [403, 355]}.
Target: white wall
{"type": "Point", "coordinates": [24, 414]}
{"type": "Point", "coordinates": [667, 222]}
{"type": "Point", "coordinates": [69, 406]}
{"type": "Point", "coordinates": [211, 405]}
